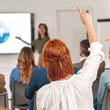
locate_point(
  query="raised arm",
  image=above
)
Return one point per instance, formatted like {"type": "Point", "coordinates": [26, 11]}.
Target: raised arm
{"type": "Point", "coordinates": [19, 38]}
{"type": "Point", "coordinates": [89, 71]}
{"type": "Point", "coordinates": [87, 21]}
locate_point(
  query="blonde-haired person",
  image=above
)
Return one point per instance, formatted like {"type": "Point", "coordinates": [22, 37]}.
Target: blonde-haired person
{"type": "Point", "coordinates": [25, 67]}
{"type": "Point", "coordinates": [27, 72]}
{"type": "Point", "coordinates": [68, 91]}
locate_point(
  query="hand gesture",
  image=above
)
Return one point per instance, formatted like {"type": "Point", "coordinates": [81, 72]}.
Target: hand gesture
{"type": "Point", "coordinates": [85, 16]}
{"type": "Point", "coordinates": [18, 37]}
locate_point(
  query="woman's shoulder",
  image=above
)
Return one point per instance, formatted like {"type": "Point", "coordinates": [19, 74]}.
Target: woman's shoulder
{"type": "Point", "coordinates": [57, 85]}
{"type": "Point", "coordinates": [45, 88]}
{"type": "Point", "coordinates": [39, 68]}
{"type": "Point", "coordinates": [15, 72]}
{"type": "Point", "coordinates": [15, 69]}
{"type": "Point", "coordinates": [39, 71]}
{"type": "Point", "coordinates": [105, 75]}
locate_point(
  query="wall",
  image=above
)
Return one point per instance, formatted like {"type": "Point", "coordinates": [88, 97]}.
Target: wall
{"type": "Point", "coordinates": [45, 11]}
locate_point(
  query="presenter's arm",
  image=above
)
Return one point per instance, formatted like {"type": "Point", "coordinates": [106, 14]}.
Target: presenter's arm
{"type": "Point", "coordinates": [19, 38]}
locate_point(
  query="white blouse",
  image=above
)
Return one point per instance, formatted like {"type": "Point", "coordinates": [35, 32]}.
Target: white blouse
{"type": "Point", "coordinates": [76, 92]}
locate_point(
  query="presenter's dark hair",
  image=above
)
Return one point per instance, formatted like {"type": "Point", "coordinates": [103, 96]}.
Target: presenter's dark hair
{"type": "Point", "coordinates": [85, 45]}
{"type": "Point", "coordinates": [46, 29]}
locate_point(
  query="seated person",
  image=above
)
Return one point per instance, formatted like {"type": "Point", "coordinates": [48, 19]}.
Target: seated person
{"type": "Point", "coordinates": [104, 83]}
{"type": "Point", "coordinates": [38, 79]}
{"type": "Point", "coordinates": [2, 84]}
{"type": "Point", "coordinates": [84, 53]}
{"type": "Point", "coordinates": [27, 69]}
{"type": "Point", "coordinates": [68, 91]}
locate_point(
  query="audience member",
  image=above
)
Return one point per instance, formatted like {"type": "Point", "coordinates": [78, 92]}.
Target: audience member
{"type": "Point", "coordinates": [25, 67]}
{"type": "Point", "coordinates": [104, 83]}
{"type": "Point", "coordinates": [84, 53]}
{"type": "Point", "coordinates": [2, 84]}
{"type": "Point", "coordinates": [38, 79]}
{"type": "Point", "coordinates": [67, 91]}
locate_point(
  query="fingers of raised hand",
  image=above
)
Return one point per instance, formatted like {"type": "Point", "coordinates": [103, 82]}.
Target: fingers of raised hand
{"type": "Point", "coordinates": [79, 9]}
{"type": "Point", "coordinates": [82, 12]}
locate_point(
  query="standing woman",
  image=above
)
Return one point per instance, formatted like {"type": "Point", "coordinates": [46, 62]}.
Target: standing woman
{"type": "Point", "coordinates": [39, 43]}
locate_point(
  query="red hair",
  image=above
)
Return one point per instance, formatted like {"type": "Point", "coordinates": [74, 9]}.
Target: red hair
{"type": "Point", "coordinates": [56, 58]}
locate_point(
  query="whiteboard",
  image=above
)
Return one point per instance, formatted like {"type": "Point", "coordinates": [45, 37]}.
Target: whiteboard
{"type": "Point", "coordinates": [71, 31]}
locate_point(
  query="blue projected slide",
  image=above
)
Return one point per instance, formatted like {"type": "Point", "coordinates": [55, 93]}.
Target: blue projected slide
{"type": "Point", "coordinates": [4, 33]}
{"type": "Point", "coordinates": [11, 25]}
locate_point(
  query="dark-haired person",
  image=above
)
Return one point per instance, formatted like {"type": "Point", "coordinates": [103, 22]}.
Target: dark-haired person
{"type": "Point", "coordinates": [84, 53]}
{"type": "Point", "coordinates": [68, 91]}
{"type": "Point", "coordinates": [38, 44]}
{"type": "Point", "coordinates": [26, 69]}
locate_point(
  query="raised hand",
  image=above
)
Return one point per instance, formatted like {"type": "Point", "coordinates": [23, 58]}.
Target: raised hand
{"type": "Point", "coordinates": [87, 21]}
{"type": "Point", "coordinates": [85, 16]}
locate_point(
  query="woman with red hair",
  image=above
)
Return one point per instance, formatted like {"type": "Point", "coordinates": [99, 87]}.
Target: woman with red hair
{"type": "Point", "coordinates": [68, 91]}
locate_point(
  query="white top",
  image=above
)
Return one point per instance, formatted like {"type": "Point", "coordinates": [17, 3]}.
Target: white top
{"type": "Point", "coordinates": [76, 92]}
{"type": "Point", "coordinates": [83, 58]}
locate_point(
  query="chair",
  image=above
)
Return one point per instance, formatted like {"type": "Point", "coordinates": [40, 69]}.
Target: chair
{"type": "Point", "coordinates": [18, 99]}
{"type": "Point", "coordinates": [95, 87]}
{"type": "Point", "coordinates": [106, 99]}
{"type": "Point", "coordinates": [4, 100]}
{"type": "Point", "coordinates": [35, 107]}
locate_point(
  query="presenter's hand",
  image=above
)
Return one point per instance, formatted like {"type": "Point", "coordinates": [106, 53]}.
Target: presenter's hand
{"type": "Point", "coordinates": [85, 16]}
{"type": "Point", "coordinates": [17, 37]}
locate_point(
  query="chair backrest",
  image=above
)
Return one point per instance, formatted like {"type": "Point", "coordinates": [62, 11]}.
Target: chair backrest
{"type": "Point", "coordinates": [4, 100]}
{"type": "Point", "coordinates": [18, 97]}
{"type": "Point", "coordinates": [35, 106]}
{"type": "Point", "coordinates": [106, 99]}
{"type": "Point", "coordinates": [95, 87]}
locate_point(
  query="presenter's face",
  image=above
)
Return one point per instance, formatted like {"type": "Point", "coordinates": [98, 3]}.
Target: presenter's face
{"type": "Point", "coordinates": [42, 30]}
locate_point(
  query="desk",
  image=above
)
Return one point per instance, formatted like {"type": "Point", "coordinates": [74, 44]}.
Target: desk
{"type": "Point", "coordinates": [3, 108]}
